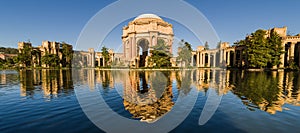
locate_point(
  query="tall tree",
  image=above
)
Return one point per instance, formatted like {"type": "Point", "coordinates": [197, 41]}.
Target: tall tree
{"type": "Point", "coordinates": [51, 60]}
{"type": "Point", "coordinates": [24, 56]}
{"type": "Point", "coordinates": [275, 43]}
{"type": "Point", "coordinates": [105, 54]}
{"type": "Point", "coordinates": [261, 50]}
{"type": "Point", "coordinates": [67, 54]}
{"type": "Point", "coordinates": [184, 52]}
{"type": "Point", "coordinates": [161, 55]}
{"type": "Point", "coordinates": [206, 46]}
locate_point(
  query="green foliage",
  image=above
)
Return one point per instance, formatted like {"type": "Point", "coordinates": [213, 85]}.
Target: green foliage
{"type": "Point", "coordinates": [67, 54]}
{"type": "Point", "coordinates": [276, 48]}
{"type": "Point", "coordinates": [184, 52]}
{"type": "Point", "coordinates": [25, 55]}
{"type": "Point", "coordinates": [292, 65]}
{"type": "Point", "coordinates": [8, 63]}
{"type": "Point", "coordinates": [183, 81]}
{"type": "Point", "coordinates": [160, 55]}
{"type": "Point", "coordinates": [105, 55]}
{"type": "Point", "coordinates": [8, 50]}
{"type": "Point", "coordinates": [258, 88]}
{"type": "Point", "coordinates": [261, 50]}
{"type": "Point", "coordinates": [51, 60]}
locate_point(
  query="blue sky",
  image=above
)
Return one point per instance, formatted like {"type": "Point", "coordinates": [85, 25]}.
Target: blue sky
{"type": "Point", "coordinates": [63, 20]}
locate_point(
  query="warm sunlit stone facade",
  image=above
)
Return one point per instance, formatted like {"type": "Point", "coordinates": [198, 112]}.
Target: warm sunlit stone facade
{"type": "Point", "coordinates": [47, 47]}
{"type": "Point", "coordinates": [231, 56]}
{"type": "Point", "coordinates": [141, 35]}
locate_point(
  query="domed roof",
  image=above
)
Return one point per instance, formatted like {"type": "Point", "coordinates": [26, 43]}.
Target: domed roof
{"type": "Point", "coordinates": [147, 16]}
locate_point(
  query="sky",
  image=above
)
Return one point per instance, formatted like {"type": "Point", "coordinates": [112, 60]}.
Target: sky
{"type": "Point", "coordinates": [63, 20]}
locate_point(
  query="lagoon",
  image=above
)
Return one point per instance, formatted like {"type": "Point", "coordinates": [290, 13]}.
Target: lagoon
{"type": "Point", "coordinates": [48, 100]}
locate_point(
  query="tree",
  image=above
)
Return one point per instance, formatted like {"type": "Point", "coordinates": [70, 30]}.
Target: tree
{"type": "Point", "coordinates": [258, 88]}
{"type": "Point", "coordinates": [105, 55]}
{"type": "Point", "coordinates": [67, 54]}
{"type": "Point", "coordinates": [262, 51]}
{"type": "Point", "coordinates": [275, 43]}
{"type": "Point", "coordinates": [184, 52]}
{"type": "Point", "coordinates": [51, 60]}
{"type": "Point", "coordinates": [9, 50]}
{"type": "Point", "coordinates": [206, 46]}
{"type": "Point", "coordinates": [161, 55]}
{"type": "Point", "coordinates": [24, 56]}
{"type": "Point", "coordinates": [219, 44]}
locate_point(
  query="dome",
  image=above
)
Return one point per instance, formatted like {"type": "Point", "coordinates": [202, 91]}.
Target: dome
{"type": "Point", "coordinates": [147, 16]}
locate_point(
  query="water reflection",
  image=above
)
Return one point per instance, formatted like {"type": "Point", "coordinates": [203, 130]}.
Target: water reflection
{"type": "Point", "coordinates": [148, 95]}
{"type": "Point", "coordinates": [267, 91]}
{"type": "Point", "coordinates": [51, 82]}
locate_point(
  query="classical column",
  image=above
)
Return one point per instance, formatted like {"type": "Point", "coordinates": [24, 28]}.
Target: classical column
{"type": "Point", "coordinates": [103, 62]}
{"type": "Point", "coordinates": [292, 51]}
{"type": "Point", "coordinates": [192, 60]}
{"type": "Point", "coordinates": [93, 59]}
{"type": "Point", "coordinates": [221, 56]}
{"type": "Point", "coordinates": [198, 59]}
{"type": "Point", "coordinates": [282, 56]}
{"type": "Point", "coordinates": [133, 45]}
{"type": "Point", "coordinates": [214, 63]}
{"type": "Point", "coordinates": [203, 60]}
{"type": "Point", "coordinates": [88, 60]}
{"type": "Point", "coordinates": [228, 58]}
{"type": "Point", "coordinates": [208, 59]}
{"type": "Point", "coordinates": [99, 62]}
{"type": "Point", "coordinates": [201, 63]}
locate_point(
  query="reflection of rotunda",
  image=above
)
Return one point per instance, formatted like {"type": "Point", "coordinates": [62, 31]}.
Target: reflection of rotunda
{"type": "Point", "coordinates": [144, 100]}
{"type": "Point", "coordinates": [150, 112]}
{"type": "Point", "coordinates": [143, 33]}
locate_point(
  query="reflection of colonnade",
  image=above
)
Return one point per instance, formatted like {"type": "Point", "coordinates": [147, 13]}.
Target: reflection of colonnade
{"type": "Point", "coordinates": [214, 79]}
{"type": "Point", "coordinates": [269, 93]}
{"type": "Point", "coordinates": [50, 81]}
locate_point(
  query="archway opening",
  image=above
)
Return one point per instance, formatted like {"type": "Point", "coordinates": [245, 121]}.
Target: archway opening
{"type": "Point", "coordinates": [143, 46]}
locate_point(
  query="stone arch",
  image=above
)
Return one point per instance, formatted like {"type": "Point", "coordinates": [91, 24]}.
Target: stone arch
{"type": "Point", "coordinates": [143, 50]}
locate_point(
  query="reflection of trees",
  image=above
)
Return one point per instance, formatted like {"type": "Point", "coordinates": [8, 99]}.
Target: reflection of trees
{"type": "Point", "coordinates": [259, 88]}
{"type": "Point", "coordinates": [105, 78]}
{"type": "Point", "coordinates": [52, 82]}
{"type": "Point", "coordinates": [184, 81]}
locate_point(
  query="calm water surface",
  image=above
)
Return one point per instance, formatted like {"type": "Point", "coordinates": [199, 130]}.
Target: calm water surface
{"type": "Point", "coordinates": [45, 100]}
